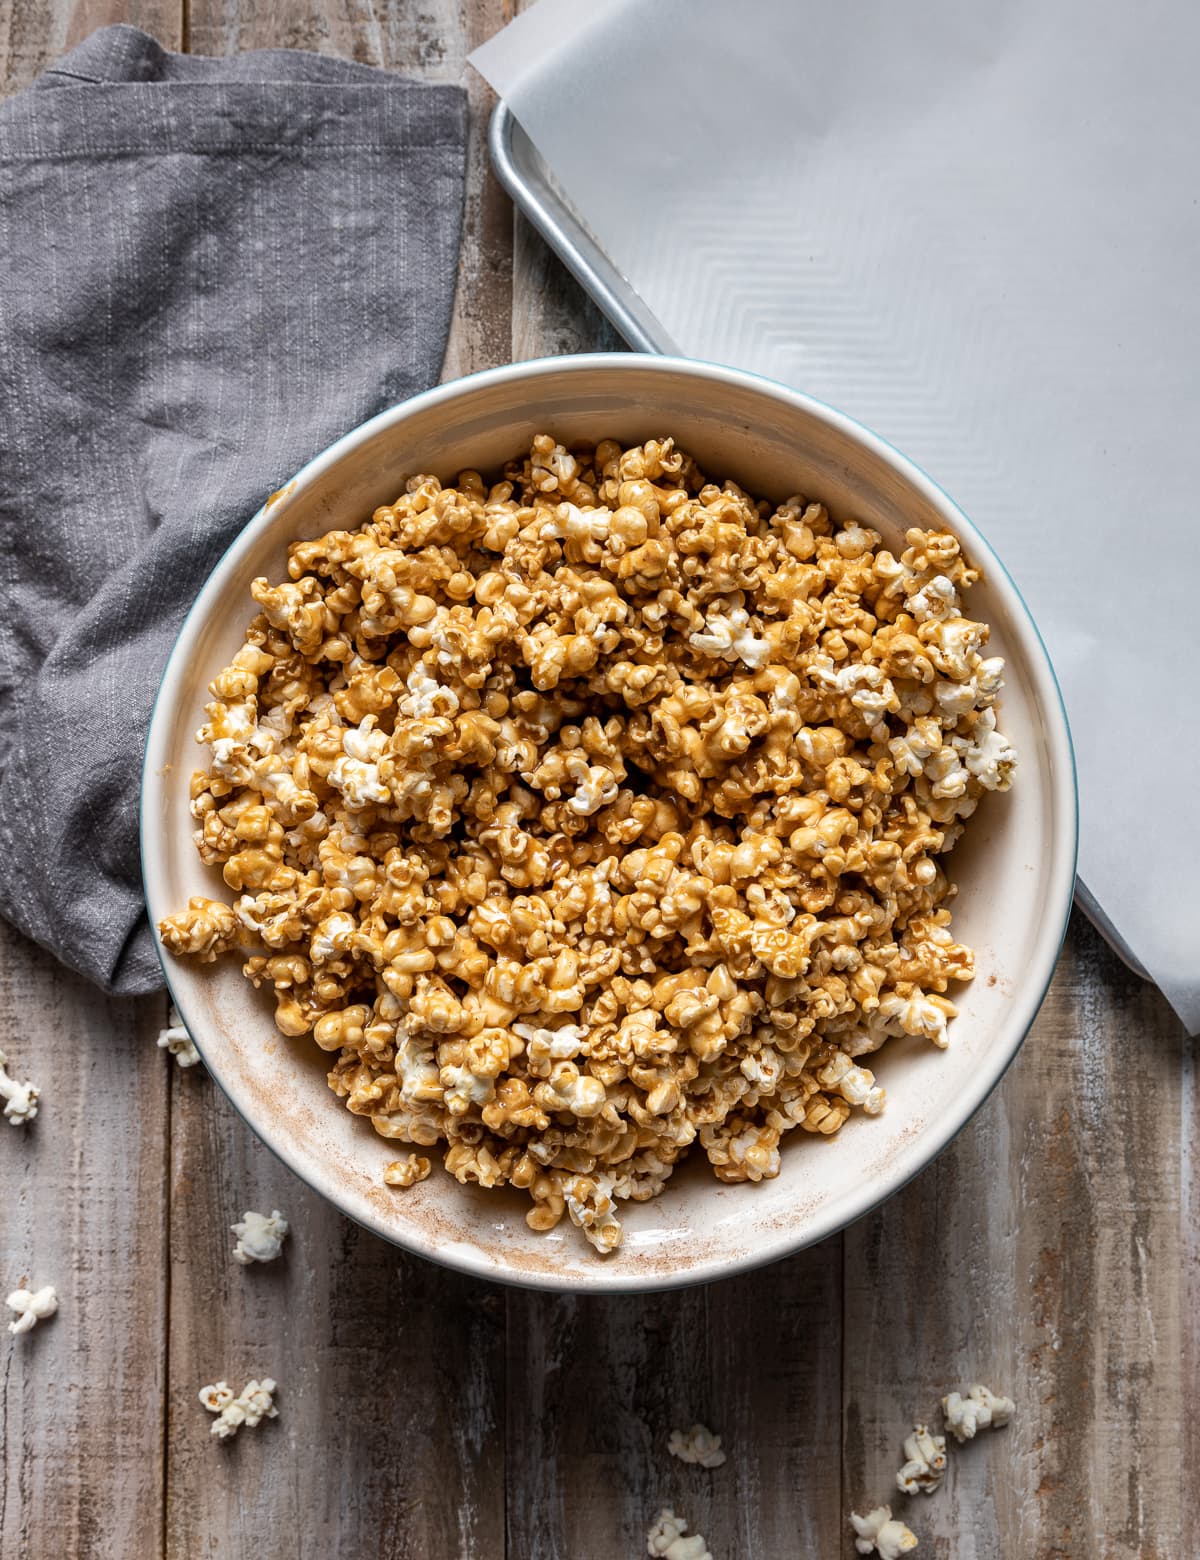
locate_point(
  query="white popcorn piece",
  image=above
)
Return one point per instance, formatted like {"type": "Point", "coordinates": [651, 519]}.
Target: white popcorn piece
{"type": "Point", "coordinates": [697, 1445]}
{"type": "Point", "coordinates": [260, 1238]}
{"type": "Point", "coordinates": [217, 1396]}
{"type": "Point", "coordinates": [20, 1099]}
{"type": "Point", "coordinates": [980, 1409]}
{"type": "Point", "coordinates": [856, 1085]}
{"type": "Point", "coordinates": [356, 774]}
{"type": "Point", "coordinates": [934, 602]}
{"type": "Point", "coordinates": [597, 787]}
{"type": "Point", "coordinates": [991, 757]}
{"type": "Point", "coordinates": [925, 1467]}
{"type": "Point", "coordinates": [31, 1307]}
{"type": "Point", "coordinates": [587, 528]}
{"type": "Point", "coordinates": [175, 1039]}
{"type": "Point", "coordinates": [882, 1534]}
{"type": "Point", "coordinates": [463, 1089]}
{"type": "Point", "coordinates": [732, 639]}
{"type": "Point", "coordinates": [254, 1403]}
{"type": "Point", "coordinates": [426, 697]}
{"type": "Point", "coordinates": [914, 1015]}
{"type": "Point", "coordinates": [666, 1538]}
{"type": "Point", "coordinates": [592, 1209]}
{"type": "Point", "coordinates": [333, 936]}
{"type": "Point", "coordinates": [544, 1047]}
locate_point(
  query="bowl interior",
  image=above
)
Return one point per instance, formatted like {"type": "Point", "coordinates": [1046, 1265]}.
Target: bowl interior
{"type": "Point", "coordinates": [1014, 868]}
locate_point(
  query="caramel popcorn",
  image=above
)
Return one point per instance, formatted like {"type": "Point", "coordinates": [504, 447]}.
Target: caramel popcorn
{"type": "Point", "coordinates": [406, 1172]}
{"type": "Point", "coordinates": [598, 814]}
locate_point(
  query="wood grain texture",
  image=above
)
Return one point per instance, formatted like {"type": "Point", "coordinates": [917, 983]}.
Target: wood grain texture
{"type": "Point", "coordinates": [551, 313]}
{"type": "Point", "coordinates": [1189, 1276]}
{"type": "Point", "coordinates": [596, 1386]}
{"type": "Point", "coordinates": [1052, 1251]}
{"type": "Point", "coordinates": [1040, 1255]}
{"type": "Point", "coordinates": [33, 33]}
{"type": "Point", "coordinates": [389, 1440]}
{"type": "Point", "coordinates": [82, 1187]}
{"type": "Point", "coordinates": [81, 1194]}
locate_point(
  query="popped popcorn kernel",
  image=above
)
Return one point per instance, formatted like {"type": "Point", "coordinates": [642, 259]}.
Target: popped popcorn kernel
{"type": "Point", "coordinates": [879, 1533]}
{"type": "Point", "coordinates": [254, 1403]}
{"type": "Point", "coordinates": [980, 1409]}
{"type": "Point", "coordinates": [20, 1099]}
{"type": "Point", "coordinates": [31, 1307]}
{"type": "Point", "coordinates": [407, 1171]}
{"type": "Point", "coordinates": [697, 1445]}
{"type": "Point", "coordinates": [176, 1041]}
{"type": "Point", "coordinates": [596, 814]}
{"type": "Point", "coordinates": [666, 1538]}
{"type": "Point", "coordinates": [260, 1237]}
{"type": "Point", "coordinates": [925, 1462]}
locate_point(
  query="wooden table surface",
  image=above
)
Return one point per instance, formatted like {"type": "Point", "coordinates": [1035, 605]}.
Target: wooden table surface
{"type": "Point", "coordinates": [1050, 1252]}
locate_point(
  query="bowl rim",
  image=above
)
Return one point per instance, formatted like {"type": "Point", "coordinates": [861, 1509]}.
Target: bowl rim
{"type": "Point", "coordinates": [1060, 873]}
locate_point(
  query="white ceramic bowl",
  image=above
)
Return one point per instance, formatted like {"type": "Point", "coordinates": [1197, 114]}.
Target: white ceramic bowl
{"type": "Point", "coordinates": [1015, 867]}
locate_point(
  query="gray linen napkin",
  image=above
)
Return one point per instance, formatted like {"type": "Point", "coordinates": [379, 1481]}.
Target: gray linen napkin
{"type": "Point", "coordinates": [209, 269]}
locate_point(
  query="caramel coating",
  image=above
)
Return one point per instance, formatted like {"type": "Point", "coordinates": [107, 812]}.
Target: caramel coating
{"type": "Point", "coordinates": [598, 812]}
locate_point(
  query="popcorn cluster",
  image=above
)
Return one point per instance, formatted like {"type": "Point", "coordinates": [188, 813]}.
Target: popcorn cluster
{"type": "Point", "coordinates": [599, 813]}
{"type": "Point", "coordinates": [980, 1409]}
{"type": "Point", "coordinates": [32, 1307]}
{"type": "Point", "coordinates": [260, 1237]}
{"type": "Point", "coordinates": [697, 1445]}
{"type": "Point", "coordinates": [254, 1403]}
{"type": "Point", "coordinates": [669, 1539]}
{"type": "Point", "coordinates": [924, 1466]}
{"type": "Point", "coordinates": [879, 1533]}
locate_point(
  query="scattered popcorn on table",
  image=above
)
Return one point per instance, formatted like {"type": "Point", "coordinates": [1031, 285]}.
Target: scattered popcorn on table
{"type": "Point", "coordinates": [979, 1410]}
{"type": "Point", "coordinates": [20, 1099]}
{"type": "Point", "coordinates": [666, 1537]}
{"type": "Point", "coordinates": [925, 1467]}
{"type": "Point", "coordinates": [254, 1404]}
{"type": "Point", "coordinates": [175, 1038]}
{"type": "Point", "coordinates": [407, 1171]}
{"type": "Point", "coordinates": [882, 1534]}
{"type": "Point", "coordinates": [598, 815]}
{"type": "Point", "coordinates": [697, 1445]}
{"type": "Point", "coordinates": [216, 1397]}
{"type": "Point", "coordinates": [31, 1307]}
{"type": "Point", "coordinates": [260, 1239]}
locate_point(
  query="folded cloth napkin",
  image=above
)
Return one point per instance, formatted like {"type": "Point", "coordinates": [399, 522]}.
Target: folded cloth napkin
{"type": "Point", "coordinates": [210, 269]}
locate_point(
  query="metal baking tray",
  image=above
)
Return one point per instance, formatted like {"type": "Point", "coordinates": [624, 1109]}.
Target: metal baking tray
{"type": "Point", "coordinates": [523, 173]}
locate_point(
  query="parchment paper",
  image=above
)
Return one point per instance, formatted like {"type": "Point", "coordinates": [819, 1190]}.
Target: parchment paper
{"type": "Point", "coordinates": [977, 229]}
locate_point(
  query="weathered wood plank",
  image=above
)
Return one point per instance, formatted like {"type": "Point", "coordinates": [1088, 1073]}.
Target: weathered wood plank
{"type": "Point", "coordinates": [390, 1436]}
{"type": "Point", "coordinates": [1040, 1255]}
{"type": "Point", "coordinates": [551, 313]}
{"type": "Point", "coordinates": [595, 1387]}
{"type": "Point", "coordinates": [389, 1439]}
{"type": "Point", "coordinates": [82, 1190]}
{"type": "Point", "coordinates": [33, 33]}
{"type": "Point", "coordinates": [1189, 1152]}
